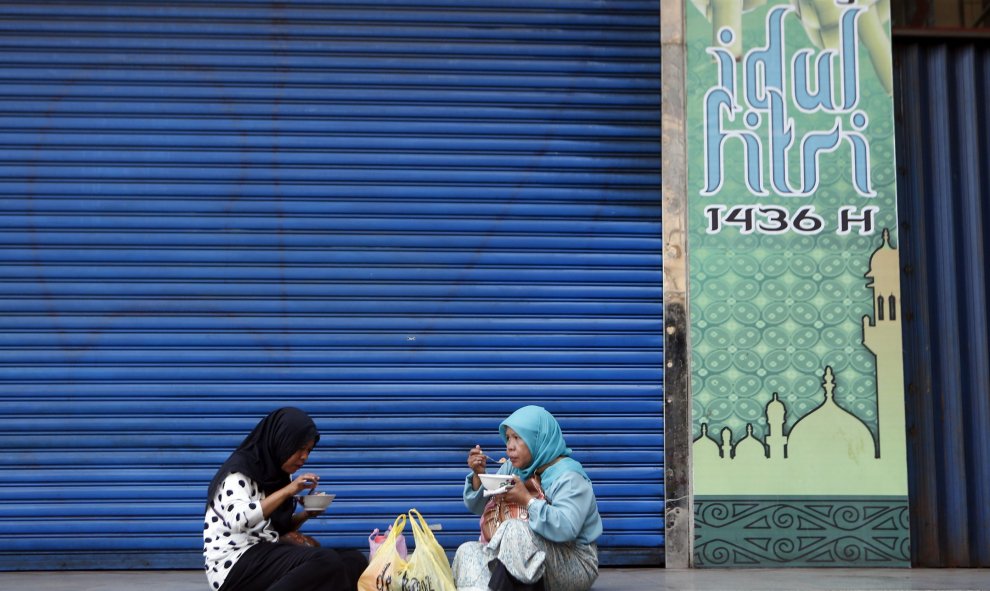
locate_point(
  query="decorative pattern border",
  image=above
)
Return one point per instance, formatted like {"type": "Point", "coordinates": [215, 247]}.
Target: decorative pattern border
{"type": "Point", "coordinates": [801, 531]}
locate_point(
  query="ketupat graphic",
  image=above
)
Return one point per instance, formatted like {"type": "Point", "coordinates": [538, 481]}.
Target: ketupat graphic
{"type": "Point", "coordinates": [820, 19]}
{"type": "Point", "coordinates": [727, 14]}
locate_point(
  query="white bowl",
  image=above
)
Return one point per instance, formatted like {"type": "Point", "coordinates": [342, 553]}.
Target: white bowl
{"type": "Point", "coordinates": [494, 481]}
{"type": "Point", "coordinates": [316, 501]}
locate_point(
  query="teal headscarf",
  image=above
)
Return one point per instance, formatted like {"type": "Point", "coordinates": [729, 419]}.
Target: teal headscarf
{"type": "Point", "coordinates": [541, 433]}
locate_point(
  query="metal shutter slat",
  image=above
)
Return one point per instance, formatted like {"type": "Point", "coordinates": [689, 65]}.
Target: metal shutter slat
{"type": "Point", "coordinates": [407, 218]}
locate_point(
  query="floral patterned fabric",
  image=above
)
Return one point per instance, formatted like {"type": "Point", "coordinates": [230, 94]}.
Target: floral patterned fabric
{"type": "Point", "coordinates": [528, 557]}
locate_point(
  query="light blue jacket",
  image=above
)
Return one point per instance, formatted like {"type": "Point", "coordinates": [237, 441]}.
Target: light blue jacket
{"type": "Point", "coordinates": [571, 515]}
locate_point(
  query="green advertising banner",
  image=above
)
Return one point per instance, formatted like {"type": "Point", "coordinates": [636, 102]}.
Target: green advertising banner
{"type": "Point", "coordinates": [797, 382]}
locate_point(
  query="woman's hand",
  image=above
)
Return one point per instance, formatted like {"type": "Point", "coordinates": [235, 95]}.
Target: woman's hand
{"type": "Point", "coordinates": [518, 493]}
{"type": "Point", "coordinates": [300, 483]}
{"type": "Point", "coordinates": [305, 481]}
{"type": "Point", "coordinates": [298, 539]}
{"type": "Point", "coordinates": [476, 460]}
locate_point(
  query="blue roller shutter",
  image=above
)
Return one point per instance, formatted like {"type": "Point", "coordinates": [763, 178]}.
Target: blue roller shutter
{"type": "Point", "coordinates": [407, 218]}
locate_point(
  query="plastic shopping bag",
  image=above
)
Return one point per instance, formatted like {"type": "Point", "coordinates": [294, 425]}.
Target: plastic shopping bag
{"type": "Point", "coordinates": [427, 568]}
{"type": "Point", "coordinates": [376, 539]}
{"type": "Point", "coordinates": [428, 565]}
{"type": "Point", "coordinates": [387, 563]}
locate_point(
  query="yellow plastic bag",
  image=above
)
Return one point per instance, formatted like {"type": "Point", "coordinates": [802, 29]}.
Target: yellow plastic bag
{"type": "Point", "coordinates": [426, 570]}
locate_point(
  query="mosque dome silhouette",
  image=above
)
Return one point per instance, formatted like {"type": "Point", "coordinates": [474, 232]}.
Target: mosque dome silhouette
{"type": "Point", "coordinates": [705, 445]}
{"type": "Point", "coordinates": [830, 432]}
{"type": "Point", "coordinates": [749, 447]}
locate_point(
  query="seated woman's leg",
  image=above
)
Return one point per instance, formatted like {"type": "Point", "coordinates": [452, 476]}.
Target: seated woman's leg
{"type": "Point", "coordinates": [286, 567]}
{"type": "Point", "coordinates": [471, 572]}
{"type": "Point", "coordinates": [570, 567]}
{"type": "Point", "coordinates": [520, 550]}
{"type": "Point", "coordinates": [354, 563]}
{"type": "Point", "coordinates": [530, 558]}
{"type": "Point", "coordinates": [322, 570]}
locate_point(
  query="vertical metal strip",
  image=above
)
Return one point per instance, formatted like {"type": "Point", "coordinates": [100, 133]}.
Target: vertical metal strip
{"type": "Point", "coordinates": [678, 505]}
{"type": "Point", "coordinates": [948, 366]}
{"type": "Point", "coordinates": [918, 353]}
{"type": "Point", "coordinates": [973, 298]}
{"type": "Point", "coordinates": [942, 131]}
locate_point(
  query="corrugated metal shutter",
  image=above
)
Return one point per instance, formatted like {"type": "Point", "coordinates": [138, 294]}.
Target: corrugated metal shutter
{"type": "Point", "coordinates": [943, 153]}
{"type": "Point", "coordinates": [407, 218]}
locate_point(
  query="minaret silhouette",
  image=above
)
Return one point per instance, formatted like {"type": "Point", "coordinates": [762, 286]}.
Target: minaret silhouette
{"type": "Point", "coordinates": [776, 418]}
{"type": "Point", "coordinates": [726, 443]}
{"type": "Point", "coordinates": [882, 336]}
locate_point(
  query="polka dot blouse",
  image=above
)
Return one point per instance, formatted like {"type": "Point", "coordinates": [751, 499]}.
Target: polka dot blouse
{"type": "Point", "coordinates": [233, 523]}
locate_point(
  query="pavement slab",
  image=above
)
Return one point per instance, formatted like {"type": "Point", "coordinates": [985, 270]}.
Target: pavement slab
{"type": "Point", "coordinates": [611, 579]}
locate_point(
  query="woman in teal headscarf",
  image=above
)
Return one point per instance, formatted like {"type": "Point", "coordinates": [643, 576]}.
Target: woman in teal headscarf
{"type": "Point", "coordinates": [553, 548]}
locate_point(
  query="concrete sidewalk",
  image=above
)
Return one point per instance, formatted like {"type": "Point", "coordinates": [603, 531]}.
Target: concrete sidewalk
{"type": "Point", "coordinates": [611, 579]}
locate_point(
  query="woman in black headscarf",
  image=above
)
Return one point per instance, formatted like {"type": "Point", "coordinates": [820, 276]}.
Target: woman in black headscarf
{"type": "Point", "coordinates": [249, 527]}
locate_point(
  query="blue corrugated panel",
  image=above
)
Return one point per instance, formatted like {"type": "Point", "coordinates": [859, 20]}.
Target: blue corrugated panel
{"type": "Point", "coordinates": [943, 146]}
{"type": "Point", "coordinates": [409, 218]}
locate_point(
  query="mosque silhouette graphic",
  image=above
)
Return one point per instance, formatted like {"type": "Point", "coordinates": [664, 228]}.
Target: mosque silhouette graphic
{"type": "Point", "coordinates": [829, 450]}
{"type": "Point", "coordinates": [828, 492]}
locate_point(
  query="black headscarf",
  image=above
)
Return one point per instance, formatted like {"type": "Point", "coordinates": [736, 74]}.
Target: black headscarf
{"type": "Point", "coordinates": [261, 455]}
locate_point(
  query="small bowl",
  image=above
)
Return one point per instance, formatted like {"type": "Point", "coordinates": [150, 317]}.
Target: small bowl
{"type": "Point", "coordinates": [495, 481]}
{"type": "Point", "coordinates": [315, 501]}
